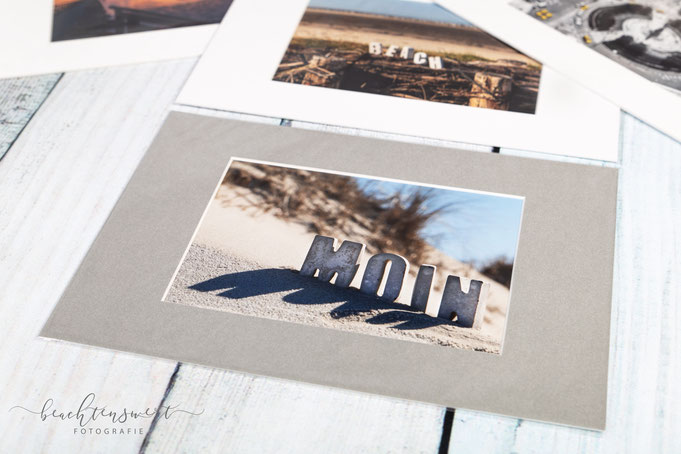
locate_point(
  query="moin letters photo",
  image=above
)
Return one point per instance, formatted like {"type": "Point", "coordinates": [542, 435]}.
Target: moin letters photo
{"type": "Point", "coordinates": [357, 253]}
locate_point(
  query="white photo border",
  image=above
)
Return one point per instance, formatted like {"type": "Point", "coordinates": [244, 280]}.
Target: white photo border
{"type": "Point", "coordinates": [27, 25]}
{"type": "Point", "coordinates": [235, 74]}
{"type": "Point", "coordinates": [651, 102]}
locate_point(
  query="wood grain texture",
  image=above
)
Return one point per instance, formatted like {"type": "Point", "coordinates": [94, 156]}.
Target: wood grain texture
{"type": "Point", "coordinates": [19, 100]}
{"type": "Point", "coordinates": [246, 413]}
{"type": "Point", "coordinates": [61, 179]}
{"type": "Point", "coordinates": [644, 396]}
{"type": "Point", "coordinates": [57, 186]}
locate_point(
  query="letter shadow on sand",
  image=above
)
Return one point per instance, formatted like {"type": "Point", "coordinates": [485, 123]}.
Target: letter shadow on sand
{"type": "Point", "coordinates": [307, 290]}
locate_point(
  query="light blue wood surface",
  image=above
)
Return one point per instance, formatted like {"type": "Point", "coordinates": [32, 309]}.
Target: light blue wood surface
{"type": "Point", "coordinates": [111, 115]}
{"type": "Point", "coordinates": [19, 100]}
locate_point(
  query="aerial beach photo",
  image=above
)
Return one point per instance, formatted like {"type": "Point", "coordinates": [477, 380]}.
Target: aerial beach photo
{"type": "Point", "coordinates": [76, 19]}
{"type": "Point", "coordinates": [250, 250]}
{"type": "Point", "coordinates": [643, 36]}
{"type": "Point", "coordinates": [414, 50]}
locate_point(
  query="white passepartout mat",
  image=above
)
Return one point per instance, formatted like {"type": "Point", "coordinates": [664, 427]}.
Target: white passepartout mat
{"type": "Point", "coordinates": [402, 67]}
{"type": "Point", "coordinates": [66, 35]}
{"type": "Point", "coordinates": [629, 53]}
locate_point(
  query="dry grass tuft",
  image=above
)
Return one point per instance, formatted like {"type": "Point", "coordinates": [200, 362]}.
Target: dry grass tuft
{"type": "Point", "coordinates": [329, 204]}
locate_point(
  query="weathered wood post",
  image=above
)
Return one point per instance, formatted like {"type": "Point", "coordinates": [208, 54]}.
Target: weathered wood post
{"type": "Point", "coordinates": [468, 308]}
{"type": "Point", "coordinates": [324, 256]}
{"type": "Point", "coordinates": [320, 72]}
{"type": "Point", "coordinates": [318, 60]}
{"type": "Point", "coordinates": [491, 91]}
{"type": "Point", "coordinates": [373, 275]}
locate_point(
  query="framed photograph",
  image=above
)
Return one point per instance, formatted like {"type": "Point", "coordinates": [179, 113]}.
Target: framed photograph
{"type": "Point", "coordinates": [424, 245]}
{"type": "Point", "coordinates": [413, 271]}
{"type": "Point", "coordinates": [397, 66]}
{"type": "Point", "coordinates": [627, 52]}
{"type": "Point", "coordinates": [65, 35]}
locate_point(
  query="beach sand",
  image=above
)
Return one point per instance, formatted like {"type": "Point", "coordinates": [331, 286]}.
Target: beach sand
{"type": "Point", "coordinates": [213, 279]}
{"type": "Point", "coordinates": [440, 38]}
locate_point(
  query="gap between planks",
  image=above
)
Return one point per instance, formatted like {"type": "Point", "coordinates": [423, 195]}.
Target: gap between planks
{"type": "Point", "coordinates": [20, 99]}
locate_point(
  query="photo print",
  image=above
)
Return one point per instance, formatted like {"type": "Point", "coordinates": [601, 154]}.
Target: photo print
{"type": "Point", "coordinates": [643, 36]}
{"type": "Point", "coordinates": [76, 19]}
{"type": "Point", "coordinates": [384, 58]}
{"type": "Point", "coordinates": [356, 253]}
{"type": "Point", "coordinates": [410, 49]}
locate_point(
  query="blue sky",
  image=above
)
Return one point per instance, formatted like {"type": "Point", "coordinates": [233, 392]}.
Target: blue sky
{"type": "Point", "coordinates": [423, 10]}
{"type": "Point", "coordinates": [478, 228]}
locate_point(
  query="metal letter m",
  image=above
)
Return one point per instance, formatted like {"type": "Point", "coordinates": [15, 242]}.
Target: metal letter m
{"type": "Point", "coordinates": [330, 260]}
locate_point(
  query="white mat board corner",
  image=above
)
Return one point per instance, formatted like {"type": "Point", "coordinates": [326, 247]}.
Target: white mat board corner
{"type": "Point", "coordinates": [236, 72]}
{"type": "Point", "coordinates": [50, 36]}
{"type": "Point", "coordinates": [651, 102]}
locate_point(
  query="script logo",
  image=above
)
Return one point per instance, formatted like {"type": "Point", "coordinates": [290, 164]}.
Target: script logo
{"type": "Point", "coordinates": [88, 413]}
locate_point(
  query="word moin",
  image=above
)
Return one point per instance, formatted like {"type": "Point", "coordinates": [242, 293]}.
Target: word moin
{"type": "Point", "coordinates": [406, 53]}
{"type": "Point", "coordinates": [329, 260]}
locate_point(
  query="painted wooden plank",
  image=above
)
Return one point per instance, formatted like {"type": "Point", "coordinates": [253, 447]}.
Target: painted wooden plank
{"type": "Point", "coordinates": [19, 100]}
{"type": "Point", "coordinates": [57, 192]}
{"type": "Point", "coordinates": [246, 413]}
{"type": "Point", "coordinates": [481, 433]}
{"type": "Point", "coordinates": [644, 399]}
{"type": "Point", "coordinates": [57, 187]}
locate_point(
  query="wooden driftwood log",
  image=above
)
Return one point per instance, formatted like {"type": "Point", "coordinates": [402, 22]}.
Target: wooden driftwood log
{"type": "Point", "coordinates": [491, 91]}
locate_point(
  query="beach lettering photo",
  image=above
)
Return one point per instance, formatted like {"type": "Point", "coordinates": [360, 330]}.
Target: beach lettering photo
{"type": "Point", "coordinates": [385, 65]}
{"type": "Point", "coordinates": [363, 254]}
{"type": "Point", "coordinates": [406, 53]}
{"type": "Point", "coordinates": [414, 50]}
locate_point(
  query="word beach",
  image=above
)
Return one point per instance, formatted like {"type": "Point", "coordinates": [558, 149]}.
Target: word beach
{"type": "Point", "coordinates": [406, 53]}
